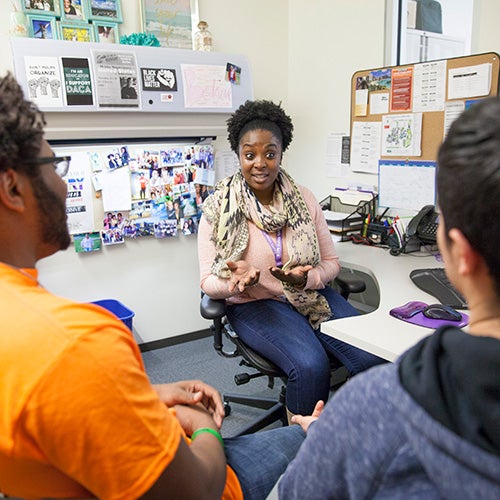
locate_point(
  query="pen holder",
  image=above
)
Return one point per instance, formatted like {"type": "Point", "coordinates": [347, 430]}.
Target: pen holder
{"type": "Point", "coordinates": [378, 233]}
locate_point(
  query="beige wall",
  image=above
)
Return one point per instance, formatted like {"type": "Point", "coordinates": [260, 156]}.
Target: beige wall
{"type": "Point", "coordinates": [302, 53]}
{"type": "Point", "coordinates": [486, 37]}
{"type": "Point", "coordinates": [159, 279]}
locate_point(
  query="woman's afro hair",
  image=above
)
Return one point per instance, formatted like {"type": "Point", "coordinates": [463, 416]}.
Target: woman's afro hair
{"type": "Point", "coordinates": [262, 114]}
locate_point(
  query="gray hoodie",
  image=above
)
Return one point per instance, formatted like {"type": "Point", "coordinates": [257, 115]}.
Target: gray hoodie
{"type": "Point", "coordinates": [425, 427]}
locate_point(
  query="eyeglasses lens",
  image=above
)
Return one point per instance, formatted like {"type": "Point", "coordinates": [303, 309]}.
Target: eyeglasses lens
{"type": "Point", "coordinates": [62, 167]}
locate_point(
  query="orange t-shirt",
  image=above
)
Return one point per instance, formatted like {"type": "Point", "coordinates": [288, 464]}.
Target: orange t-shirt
{"type": "Point", "coordinates": [78, 415]}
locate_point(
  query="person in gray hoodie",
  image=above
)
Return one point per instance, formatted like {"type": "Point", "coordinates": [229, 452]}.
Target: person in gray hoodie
{"type": "Point", "coordinates": [428, 426]}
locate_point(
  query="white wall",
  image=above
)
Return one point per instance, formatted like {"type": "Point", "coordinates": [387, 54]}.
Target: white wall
{"type": "Point", "coordinates": [302, 53]}
{"type": "Point", "coordinates": [328, 42]}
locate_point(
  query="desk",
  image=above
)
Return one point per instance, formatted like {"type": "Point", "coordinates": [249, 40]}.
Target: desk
{"type": "Point", "coordinates": [378, 332]}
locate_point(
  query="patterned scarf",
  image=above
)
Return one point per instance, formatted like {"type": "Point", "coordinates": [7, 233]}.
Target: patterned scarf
{"type": "Point", "coordinates": [233, 203]}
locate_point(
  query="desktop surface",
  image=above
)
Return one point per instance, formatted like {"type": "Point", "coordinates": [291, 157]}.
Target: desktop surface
{"type": "Point", "coordinates": [378, 332]}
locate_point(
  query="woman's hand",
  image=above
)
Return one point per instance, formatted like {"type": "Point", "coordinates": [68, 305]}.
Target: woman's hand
{"type": "Point", "coordinates": [193, 392]}
{"type": "Point", "coordinates": [305, 422]}
{"type": "Point", "coordinates": [296, 276]}
{"type": "Point", "coordinates": [243, 275]}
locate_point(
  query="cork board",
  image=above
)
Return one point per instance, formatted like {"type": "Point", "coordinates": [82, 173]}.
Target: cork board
{"type": "Point", "coordinates": [404, 90]}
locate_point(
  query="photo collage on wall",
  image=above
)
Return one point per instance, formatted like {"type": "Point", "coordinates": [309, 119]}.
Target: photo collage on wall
{"type": "Point", "coordinates": [160, 189]}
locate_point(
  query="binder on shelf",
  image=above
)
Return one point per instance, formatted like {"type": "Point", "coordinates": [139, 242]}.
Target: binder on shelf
{"type": "Point", "coordinates": [346, 210]}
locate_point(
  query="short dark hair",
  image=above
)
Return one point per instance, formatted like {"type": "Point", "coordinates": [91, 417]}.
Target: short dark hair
{"type": "Point", "coordinates": [468, 180]}
{"type": "Point", "coordinates": [256, 115]}
{"type": "Point", "coordinates": [21, 128]}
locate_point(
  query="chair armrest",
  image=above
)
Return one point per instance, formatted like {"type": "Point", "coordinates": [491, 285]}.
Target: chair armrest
{"type": "Point", "coordinates": [215, 310]}
{"type": "Point", "coordinates": [212, 308]}
{"type": "Point", "coordinates": [349, 285]}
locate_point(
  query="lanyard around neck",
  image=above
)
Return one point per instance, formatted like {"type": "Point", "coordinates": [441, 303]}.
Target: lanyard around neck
{"type": "Point", "coordinates": [276, 248]}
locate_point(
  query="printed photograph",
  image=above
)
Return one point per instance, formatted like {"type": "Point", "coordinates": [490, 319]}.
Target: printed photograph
{"type": "Point", "coordinates": [380, 80]}
{"type": "Point", "coordinates": [139, 181]}
{"type": "Point", "coordinates": [113, 220]}
{"type": "Point", "coordinates": [49, 7]}
{"type": "Point", "coordinates": [362, 83]}
{"type": "Point", "coordinates": [189, 226]}
{"type": "Point", "coordinates": [128, 87]}
{"type": "Point", "coordinates": [172, 156]}
{"type": "Point", "coordinates": [76, 33]}
{"type": "Point", "coordinates": [106, 9]}
{"type": "Point", "coordinates": [113, 160]}
{"type": "Point", "coordinates": [165, 229]}
{"type": "Point", "coordinates": [112, 237]}
{"type": "Point", "coordinates": [42, 27]}
{"type": "Point", "coordinates": [73, 10]}
{"type": "Point", "coordinates": [87, 242]}
{"type": "Point", "coordinates": [203, 162]}
{"type": "Point", "coordinates": [233, 73]}
{"type": "Point", "coordinates": [106, 32]}
{"type": "Point", "coordinates": [125, 158]}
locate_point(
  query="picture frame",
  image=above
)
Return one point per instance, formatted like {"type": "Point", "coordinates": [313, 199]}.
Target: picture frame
{"type": "Point", "coordinates": [42, 27]}
{"type": "Point", "coordinates": [105, 10]}
{"type": "Point", "coordinates": [41, 7]}
{"type": "Point", "coordinates": [173, 25]}
{"type": "Point", "coordinates": [76, 32]}
{"type": "Point", "coordinates": [73, 10]}
{"type": "Point", "coordinates": [106, 32]}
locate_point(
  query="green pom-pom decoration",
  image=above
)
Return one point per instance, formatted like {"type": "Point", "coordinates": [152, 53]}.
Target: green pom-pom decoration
{"type": "Point", "coordinates": [140, 39]}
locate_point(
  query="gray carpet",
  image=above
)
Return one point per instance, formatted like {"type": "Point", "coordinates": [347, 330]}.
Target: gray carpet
{"type": "Point", "coordinates": [197, 359]}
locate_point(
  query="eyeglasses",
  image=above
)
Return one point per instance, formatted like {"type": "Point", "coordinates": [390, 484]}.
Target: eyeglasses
{"type": "Point", "coordinates": [61, 163]}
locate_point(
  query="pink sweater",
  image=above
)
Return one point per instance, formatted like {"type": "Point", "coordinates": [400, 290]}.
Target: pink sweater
{"type": "Point", "coordinates": [260, 255]}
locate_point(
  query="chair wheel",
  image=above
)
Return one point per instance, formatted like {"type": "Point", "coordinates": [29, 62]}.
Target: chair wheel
{"type": "Point", "coordinates": [227, 409]}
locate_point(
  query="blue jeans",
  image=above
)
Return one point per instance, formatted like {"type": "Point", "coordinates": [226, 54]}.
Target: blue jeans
{"type": "Point", "coordinates": [280, 333]}
{"type": "Point", "coordinates": [260, 459]}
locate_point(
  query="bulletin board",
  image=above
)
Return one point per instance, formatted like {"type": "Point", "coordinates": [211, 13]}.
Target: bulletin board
{"type": "Point", "coordinates": [433, 121]}
{"type": "Point", "coordinates": [401, 114]}
{"type": "Point", "coordinates": [69, 76]}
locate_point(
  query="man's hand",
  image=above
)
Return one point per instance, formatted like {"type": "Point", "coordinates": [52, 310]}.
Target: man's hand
{"type": "Point", "coordinates": [243, 275]}
{"type": "Point", "coordinates": [305, 422]}
{"type": "Point", "coordinates": [192, 418]}
{"type": "Point", "coordinates": [193, 392]}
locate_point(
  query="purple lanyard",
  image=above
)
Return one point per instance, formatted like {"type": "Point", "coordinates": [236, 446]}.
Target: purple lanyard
{"type": "Point", "coordinates": [278, 248]}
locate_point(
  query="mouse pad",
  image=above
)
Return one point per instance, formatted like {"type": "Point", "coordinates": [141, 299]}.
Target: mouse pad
{"type": "Point", "coordinates": [416, 316]}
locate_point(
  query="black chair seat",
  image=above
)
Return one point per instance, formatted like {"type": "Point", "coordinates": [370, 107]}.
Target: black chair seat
{"type": "Point", "coordinates": [215, 310]}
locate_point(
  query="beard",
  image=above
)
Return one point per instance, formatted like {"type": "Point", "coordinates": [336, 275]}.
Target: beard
{"type": "Point", "coordinates": [51, 216]}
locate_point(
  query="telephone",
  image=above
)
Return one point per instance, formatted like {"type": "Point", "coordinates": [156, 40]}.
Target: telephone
{"type": "Point", "coordinates": [424, 225]}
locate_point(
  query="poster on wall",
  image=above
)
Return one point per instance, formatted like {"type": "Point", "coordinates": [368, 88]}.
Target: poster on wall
{"type": "Point", "coordinates": [205, 86]}
{"type": "Point", "coordinates": [77, 81]}
{"type": "Point", "coordinates": [44, 81]}
{"type": "Point", "coordinates": [159, 79]}
{"type": "Point", "coordinates": [171, 22]}
{"type": "Point", "coordinates": [79, 207]}
{"type": "Point", "coordinates": [116, 79]}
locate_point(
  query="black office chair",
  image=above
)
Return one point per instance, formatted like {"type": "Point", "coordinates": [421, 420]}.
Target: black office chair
{"type": "Point", "coordinates": [275, 410]}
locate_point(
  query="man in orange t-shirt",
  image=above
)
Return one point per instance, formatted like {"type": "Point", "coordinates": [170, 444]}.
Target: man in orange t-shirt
{"type": "Point", "coordinates": [79, 416]}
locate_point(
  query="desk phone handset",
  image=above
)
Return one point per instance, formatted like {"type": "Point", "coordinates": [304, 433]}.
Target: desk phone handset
{"type": "Point", "coordinates": [424, 225]}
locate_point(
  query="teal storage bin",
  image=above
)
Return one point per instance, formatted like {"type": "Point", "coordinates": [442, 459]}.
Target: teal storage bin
{"type": "Point", "coordinates": [118, 309]}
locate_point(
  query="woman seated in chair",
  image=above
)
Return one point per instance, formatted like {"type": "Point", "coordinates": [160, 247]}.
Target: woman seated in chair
{"type": "Point", "coordinates": [265, 247]}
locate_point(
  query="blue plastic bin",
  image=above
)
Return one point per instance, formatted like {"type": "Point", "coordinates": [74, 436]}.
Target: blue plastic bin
{"type": "Point", "coordinates": [118, 309]}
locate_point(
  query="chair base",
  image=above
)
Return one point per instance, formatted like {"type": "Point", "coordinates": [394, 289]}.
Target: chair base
{"type": "Point", "coordinates": [275, 410]}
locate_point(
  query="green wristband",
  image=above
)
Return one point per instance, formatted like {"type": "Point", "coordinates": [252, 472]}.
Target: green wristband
{"type": "Point", "coordinates": [210, 431]}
